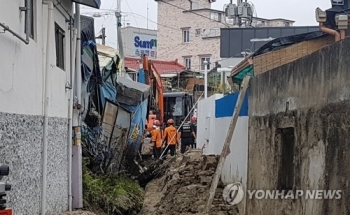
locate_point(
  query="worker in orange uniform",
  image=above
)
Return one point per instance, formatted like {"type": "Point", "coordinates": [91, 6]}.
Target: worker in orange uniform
{"type": "Point", "coordinates": [156, 138]}
{"type": "Point", "coordinates": [171, 136]}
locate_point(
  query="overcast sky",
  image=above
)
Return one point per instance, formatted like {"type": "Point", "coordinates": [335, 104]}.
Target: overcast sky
{"type": "Point", "coordinates": [301, 11]}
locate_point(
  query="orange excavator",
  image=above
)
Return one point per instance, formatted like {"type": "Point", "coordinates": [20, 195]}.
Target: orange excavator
{"type": "Point", "coordinates": [156, 101]}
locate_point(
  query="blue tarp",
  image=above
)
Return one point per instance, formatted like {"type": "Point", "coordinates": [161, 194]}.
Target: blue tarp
{"type": "Point", "coordinates": [225, 106]}
{"type": "Point", "coordinates": [137, 126]}
{"type": "Point", "coordinates": [107, 90]}
{"type": "Point", "coordinates": [142, 76]}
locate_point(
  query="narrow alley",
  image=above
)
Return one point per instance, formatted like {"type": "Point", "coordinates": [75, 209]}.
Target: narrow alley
{"type": "Point", "coordinates": [158, 107]}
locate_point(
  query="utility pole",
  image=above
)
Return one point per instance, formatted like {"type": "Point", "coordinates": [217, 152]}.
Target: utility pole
{"type": "Point", "coordinates": [118, 15]}
{"type": "Point", "coordinates": [205, 79]}
{"type": "Point", "coordinates": [103, 35]}
{"type": "Point", "coordinates": [147, 16]}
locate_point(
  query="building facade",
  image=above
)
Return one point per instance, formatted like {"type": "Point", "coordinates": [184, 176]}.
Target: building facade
{"type": "Point", "coordinates": [22, 100]}
{"type": "Point", "coordinates": [138, 41]}
{"type": "Point", "coordinates": [300, 140]}
{"type": "Point", "coordinates": [190, 32]}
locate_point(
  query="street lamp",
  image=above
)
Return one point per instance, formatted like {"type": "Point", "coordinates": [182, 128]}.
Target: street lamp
{"type": "Point", "coordinates": [205, 79]}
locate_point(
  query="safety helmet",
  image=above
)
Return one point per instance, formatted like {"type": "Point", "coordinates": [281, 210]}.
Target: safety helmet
{"type": "Point", "coordinates": [170, 121]}
{"type": "Point", "coordinates": [156, 122]}
{"type": "Point", "coordinates": [193, 119]}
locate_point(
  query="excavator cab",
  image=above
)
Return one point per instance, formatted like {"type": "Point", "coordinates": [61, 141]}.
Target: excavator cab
{"type": "Point", "coordinates": [177, 105]}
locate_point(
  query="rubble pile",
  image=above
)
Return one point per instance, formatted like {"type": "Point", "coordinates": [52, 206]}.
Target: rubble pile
{"type": "Point", "coordinates": [184, 188]}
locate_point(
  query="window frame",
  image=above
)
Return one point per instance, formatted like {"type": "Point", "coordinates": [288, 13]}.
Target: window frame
{"type": "Point", "coordinates": [198, 32]}
{"type": "Point", "coordinates": [202, 66]}
{"type": "Point", "coordinates": [60, 46]}
{"type": "Point", "coordinates": [186, 35]}
{"type": "Point", "coordinates": [188, 62]}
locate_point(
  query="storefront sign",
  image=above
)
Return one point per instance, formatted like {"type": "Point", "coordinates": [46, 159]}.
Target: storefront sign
{"type": "Point", "coordinates": [145, 44]}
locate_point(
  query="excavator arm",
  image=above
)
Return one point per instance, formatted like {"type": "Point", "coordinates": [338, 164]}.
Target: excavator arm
{"type": "Point", "coordinates": [155, 83]}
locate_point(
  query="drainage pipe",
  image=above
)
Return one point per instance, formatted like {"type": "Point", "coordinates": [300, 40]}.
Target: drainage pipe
{"type": "Point", "coordinates": [46, 105]}
{"type": "Point", "coordinates": [28, 23]}
{"type": "Point", "coordinates": [70, 124]}
{"type": "Point", "coordinates": [326, 30]}
{"type": "Point", "coordinates": [7, 28]}
{"type": "Point", "coordinates": [78, 57]}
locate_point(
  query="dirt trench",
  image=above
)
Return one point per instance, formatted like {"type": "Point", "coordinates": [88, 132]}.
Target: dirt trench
{"type": "Point", "coordinates": [184, 188]}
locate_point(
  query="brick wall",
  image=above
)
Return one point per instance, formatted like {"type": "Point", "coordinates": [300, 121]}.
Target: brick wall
{"type": "Point", "coordinates": [171, 21]}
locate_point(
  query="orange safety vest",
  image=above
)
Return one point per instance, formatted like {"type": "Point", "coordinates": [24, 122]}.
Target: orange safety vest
{"type": "Point", "coordinates": [157, 137]}
{"type": "Point", "coordinates": [171, 134]}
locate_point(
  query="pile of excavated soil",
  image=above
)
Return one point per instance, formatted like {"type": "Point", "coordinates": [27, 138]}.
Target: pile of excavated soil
{"type": "Point", "coordinates": [184, 188]}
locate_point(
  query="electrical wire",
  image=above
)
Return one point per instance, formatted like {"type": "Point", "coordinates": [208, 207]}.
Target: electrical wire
{"type": "Point", "coordinates": [131, 12]}
{"type": "Point", "coordinates": [176, 29]}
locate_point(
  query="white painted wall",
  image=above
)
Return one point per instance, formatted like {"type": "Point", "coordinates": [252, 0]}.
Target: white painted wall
{"type": "Point", "coordinates": [213, 131]}
{"type": "Point", "coordinates": [205, 120]}
{"type": "Point", "coordinates": [235, 167]}
{"type": "Point", "coordinates": [22, 66]}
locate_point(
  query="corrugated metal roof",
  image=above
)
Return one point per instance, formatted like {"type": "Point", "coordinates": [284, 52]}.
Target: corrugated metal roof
{"type": "Point", "coordinates": [162, 67]}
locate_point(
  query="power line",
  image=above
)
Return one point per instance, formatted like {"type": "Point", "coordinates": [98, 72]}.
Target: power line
{"type": "Point", "coordinates": [131, 12]}
{"type": "Point", "coordinates": [176, 29]}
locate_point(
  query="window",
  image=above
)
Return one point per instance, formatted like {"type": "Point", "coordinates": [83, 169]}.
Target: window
{"type": "Point", "coordinates": [187, 63]}
{"type": "Point", "coordinates": [215, 17]}
{"type": "Point", "coordinates": [31, 19]}
{"type": "Point", "coordinates": [193, 5]}
{"type": "Point", "coordinates": [286, 168]}
{"type": "Point", "coordinates": [59, 37]}
{"type": "Point", "coordinates": [198, 32]}
{"type": "Point", "coordinates": [173, 106]}
{"type": "Point", "coordinates": [133, 76]}
{"type": "Point", "coordinates": [202, 63]}
{"type": "Point", "coordinates": [186, 35]}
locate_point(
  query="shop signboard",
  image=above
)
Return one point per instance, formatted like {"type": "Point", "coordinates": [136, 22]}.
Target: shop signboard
{"type": "Point", "coordinates": [145, 44]}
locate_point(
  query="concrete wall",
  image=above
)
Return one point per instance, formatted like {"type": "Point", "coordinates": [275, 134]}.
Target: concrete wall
{"type": "Point", "coordinates": [205, 122]}
{"type": "Point", "coordinates": [171, 21]}
{"type": "Point", "coordinates": [312, 96]}
{"type": "Point", "coordinates": [236, 163]}
{"type": "Point", "coordinates": [129, 33]}
{"type": "Point", "coordinates": [21, 110]}
{"type": "Point", "coordinates": [214, 118]}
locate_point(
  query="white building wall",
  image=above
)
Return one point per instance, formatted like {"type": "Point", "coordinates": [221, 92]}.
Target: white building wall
{"type": "Point", "coordinates": [22, 65]}
{"type": "Point", "coordinates": [22, 74]}
{"type": "Point", "coordinates": [205, 123]}
{"type": "Point", "coordinates": [171, 21]}
{"type": "Point", "coordinates": [213, 134]}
